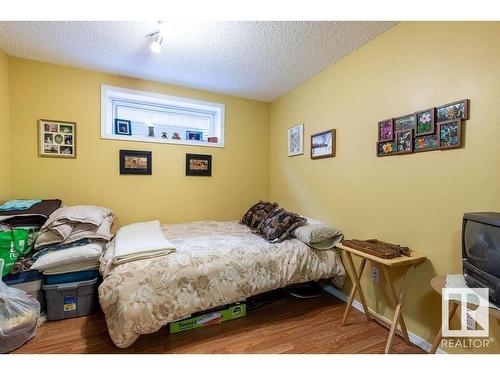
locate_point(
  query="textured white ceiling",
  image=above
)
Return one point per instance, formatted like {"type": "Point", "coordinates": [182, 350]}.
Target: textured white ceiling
{"type": "Point", "coordinates": [258, 60]}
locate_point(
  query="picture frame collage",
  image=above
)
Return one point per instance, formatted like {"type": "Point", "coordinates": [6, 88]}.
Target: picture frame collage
{"type": "Point", "coordinates": [56, 139]}
{"type": "Point", "coordinates": [431, 129]}
{"type": "Point", "coordinates": [323, 144]}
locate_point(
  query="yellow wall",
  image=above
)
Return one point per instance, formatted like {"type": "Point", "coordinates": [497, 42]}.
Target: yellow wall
{"type": "Point", "coordinates": [239, 172]}
{"type": "Point", "coordinates": [4, 128]}
{"type": "Point", "coordinates": [417, 200]}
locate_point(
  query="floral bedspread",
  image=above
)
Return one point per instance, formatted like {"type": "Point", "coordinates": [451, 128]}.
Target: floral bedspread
{"type": "Point", "coordinates": [215, 263]}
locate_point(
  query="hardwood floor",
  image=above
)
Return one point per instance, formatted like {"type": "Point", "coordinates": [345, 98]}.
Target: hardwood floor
{"type": "Point", "coordinates": [287, 325]}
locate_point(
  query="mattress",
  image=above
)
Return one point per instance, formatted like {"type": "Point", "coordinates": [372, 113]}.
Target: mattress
{"type": "Point", "coordinates": [215, 263]}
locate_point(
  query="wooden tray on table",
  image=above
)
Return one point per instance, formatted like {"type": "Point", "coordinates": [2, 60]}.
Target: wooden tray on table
{"type": "Point", "coordinates": [378, 248]}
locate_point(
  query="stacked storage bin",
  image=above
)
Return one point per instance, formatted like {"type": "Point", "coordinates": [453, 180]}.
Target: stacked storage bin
{"type": "Point", "coordinates": [71, 295]}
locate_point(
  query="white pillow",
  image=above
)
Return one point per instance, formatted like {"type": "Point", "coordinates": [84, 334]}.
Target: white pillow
{"type": "Point", "coordinates": [72, 255]}
{"type": "Point", "coordinates": [140, 237]}
{"type": "Point", "coordinates": [318, 235]}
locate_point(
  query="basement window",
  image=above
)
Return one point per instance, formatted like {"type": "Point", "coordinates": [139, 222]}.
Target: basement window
{"type": "Point", "coordinates": [142, 116]}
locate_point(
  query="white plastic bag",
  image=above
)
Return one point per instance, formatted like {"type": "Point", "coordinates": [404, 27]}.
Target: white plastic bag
{"type": "Point", "coordinates": [19, 315]}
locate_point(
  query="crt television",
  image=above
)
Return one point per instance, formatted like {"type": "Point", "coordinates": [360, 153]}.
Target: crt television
{"type": "Point", "coordinates": [481, 252]}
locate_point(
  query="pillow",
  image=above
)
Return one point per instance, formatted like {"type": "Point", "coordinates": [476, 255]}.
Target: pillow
{"type": "Point", "coordinates": [318, 235]}
{"type": "Point", "coordinates": [257, 213]}
{"type": "Point", "coordinates": [139, 238]}
{"type": "Point", "coordinates": [79, 254]}
{"type": "Point", "coordinates": [279, 225]}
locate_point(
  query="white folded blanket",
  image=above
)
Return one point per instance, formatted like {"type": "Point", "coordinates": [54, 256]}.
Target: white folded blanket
{"type": "Point", "coordinates": [141, 241]}
{"type": "Point", "coordinates": [62, 258]}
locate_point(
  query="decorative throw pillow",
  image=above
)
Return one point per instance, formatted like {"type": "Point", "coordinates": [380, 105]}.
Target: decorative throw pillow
{"type": "Point", "coordinates": [257, 213]}
{"type": "Point", "coordinates": [279, 225]}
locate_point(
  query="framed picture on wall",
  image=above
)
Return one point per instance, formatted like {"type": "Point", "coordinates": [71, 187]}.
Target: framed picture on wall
{"type": "Point", "coordinates": [56, 139]}
{"type": "Point", "coordinates": [296, 140]}
{"type": "Point", "coordinates": [386, 148]}
{"type": "Point", "coordinates": [404, 141]}
{"type": "Point", "coordinates": [453, 111]}
{"type": "Point", "coordinates": [323, 144]}
{"type": "Point", "coordinates": [386, 130]}
{"type": "Point", "coordinates": [426, 143]}
{"type": "Point", "coordinates": [450, 134]}
{"type": "Point", "coordinates": [405, 122]}
{"type": "Point", "coordinates": [198, 165]}
{"type": "Point", "coordinates": [135, 162]}
{"type": "Point", "coordinates": [425, 122]}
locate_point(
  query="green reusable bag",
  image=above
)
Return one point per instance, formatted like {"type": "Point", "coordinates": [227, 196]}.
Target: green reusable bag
{"type": "Point", "coordinates": [14, 244]}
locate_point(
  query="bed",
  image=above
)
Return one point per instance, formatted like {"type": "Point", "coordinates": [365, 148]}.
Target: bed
{"type": "Point", "coordinates": [215, 263]}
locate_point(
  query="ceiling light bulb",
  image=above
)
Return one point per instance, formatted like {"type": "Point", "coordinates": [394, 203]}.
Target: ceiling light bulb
{"type": "Point", "coordinates": [156, 45]}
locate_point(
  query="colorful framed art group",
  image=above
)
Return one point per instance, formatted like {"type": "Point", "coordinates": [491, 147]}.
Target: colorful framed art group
{"type": "Point", "coordinates": [437, 128]}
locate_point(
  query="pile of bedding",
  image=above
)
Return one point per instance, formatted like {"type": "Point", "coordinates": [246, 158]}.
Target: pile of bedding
{"type": "Point", "coordinates": [72, 240]}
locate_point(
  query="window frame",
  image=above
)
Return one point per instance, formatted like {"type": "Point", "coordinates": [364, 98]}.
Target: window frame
{"type": "Point", "coordinates": [125, 94]}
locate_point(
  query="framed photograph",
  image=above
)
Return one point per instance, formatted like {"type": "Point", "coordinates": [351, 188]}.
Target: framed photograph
{"type": "Point", "coordinates": [135, 162]}
{"type": "Point", "coordinates": [426, 143]}
{"type": "Point", "coordinates": [56, 139]}
{"type": "Point", "coordinates": [453, 111]}
{"type": "Point", "coordinates": [386, 130]}
{"type": "Point", "coordinates": [296, 140]}
{"type": "Point", "coordinates": [405, 122]}
{"type": "Point", "coordinates": [386, 148]}
{"type": "Point", "coordinates": [450, 134]}
{"type": "Point", "coordinates": [123, 127]}
{"type": "Point", "coordinates": [194, 135]}
{"type": "Point", "coordinates": [404, 141]}
{"type": "Point", "coordinates": [198, 165]}
{"type": "Point", "coordinates": [323, 144]}
{"type": "Point", "coordinates": [425, 122]}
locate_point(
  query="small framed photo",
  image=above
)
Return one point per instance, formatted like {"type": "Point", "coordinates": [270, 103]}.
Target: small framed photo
{"type": "Point", "coordinates": [453, 111]}
{"type": "Point", "coordinates": [296, 140]}
{"type": "Point", "coordinates": [123, 127]}
{"type": "Point", "coordinates": [194, 135]}
{"type": "Point", "coordinates": [425, 143]}
{"type": "Point", "coordinates": [425, 122]}
{"type": "Point", "coordinates": [323, 144]}
{"type": "Point", "coordinates": [404, 141]}
{"type": "Point", "coordinates": [386, 130]}
{"type": "Point", "coordinates": [56, 139]}
{"type": "Point", "coordinates": [405, 122]}
{"type": "Point", "coordinates": [198, 165]}
{"type": "Point", "coordinates": [386, 148]}
{"type": "Point", "coordinates": [450, 134]}
{"type": "Point", "coordinates": [135, 162]}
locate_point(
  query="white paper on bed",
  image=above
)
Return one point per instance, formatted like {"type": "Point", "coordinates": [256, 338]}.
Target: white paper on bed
{"type": "Point", "coordinates": [141, 241]}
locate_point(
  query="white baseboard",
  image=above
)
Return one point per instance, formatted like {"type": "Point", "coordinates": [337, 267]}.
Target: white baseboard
{"type": "Point", "coordinates": [414, 339]}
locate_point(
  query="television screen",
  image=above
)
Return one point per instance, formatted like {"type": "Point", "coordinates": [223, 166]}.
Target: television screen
{"type": "Point", "coordinates": [482, 246]}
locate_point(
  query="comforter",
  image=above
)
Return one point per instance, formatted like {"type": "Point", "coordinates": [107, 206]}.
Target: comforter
{"type": "Point", "coordinates": [215, 263]}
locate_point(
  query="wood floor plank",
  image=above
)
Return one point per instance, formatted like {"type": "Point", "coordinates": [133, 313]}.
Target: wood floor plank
{"type": "Point", "coordinates": [287, 325]}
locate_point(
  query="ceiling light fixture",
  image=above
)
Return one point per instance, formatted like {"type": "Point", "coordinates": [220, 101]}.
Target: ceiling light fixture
{"type": "Point", "coordinates": [156, 45]}
{"type": "Point", "coordinates": [158, 38]}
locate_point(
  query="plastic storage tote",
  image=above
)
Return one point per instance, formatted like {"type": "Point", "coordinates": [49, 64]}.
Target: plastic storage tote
{"type": "Point", "coordinates": [71, 300]}
{"type": "Point", "coordinates": [71, 277]}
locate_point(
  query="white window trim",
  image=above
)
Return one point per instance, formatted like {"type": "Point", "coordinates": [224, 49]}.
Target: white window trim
{"type": "Point", "coordinates": [107, 123]}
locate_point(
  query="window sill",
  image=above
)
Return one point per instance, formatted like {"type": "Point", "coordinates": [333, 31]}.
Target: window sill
{"type": "Point", "coordinates": [164, 141]}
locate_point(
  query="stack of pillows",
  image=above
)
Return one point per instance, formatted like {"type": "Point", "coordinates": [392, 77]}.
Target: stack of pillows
{"type": "Point", "coordinates": [276, 224]}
